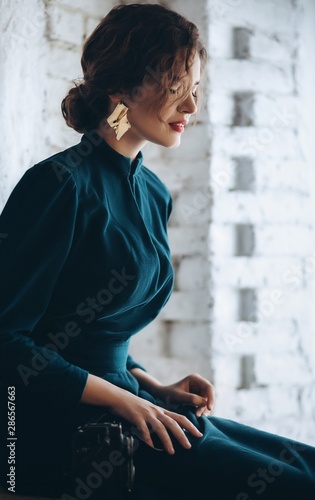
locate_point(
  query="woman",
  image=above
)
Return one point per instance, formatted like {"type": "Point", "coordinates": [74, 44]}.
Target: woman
{"type": "Point", "coordinates": [86, 265]}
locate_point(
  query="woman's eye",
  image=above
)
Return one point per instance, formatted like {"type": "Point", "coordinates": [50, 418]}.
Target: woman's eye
{"type": "Point", "coordinates": [173, 91]}
{"type": "Point", "coordinates": [194, 94]}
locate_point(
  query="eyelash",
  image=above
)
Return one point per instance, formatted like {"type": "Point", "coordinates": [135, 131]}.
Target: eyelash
{"type": "Point", "coordinates": [174, 91]}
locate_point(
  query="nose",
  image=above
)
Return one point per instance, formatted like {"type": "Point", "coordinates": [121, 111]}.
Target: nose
{"type": "Point", "coordinates": [188, 106]}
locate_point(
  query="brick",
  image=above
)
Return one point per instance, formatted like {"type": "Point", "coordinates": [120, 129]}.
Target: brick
{"type": "Point", "coordinates": [251, 405]}
{"type": "Point", "coordinates": [192, 207]}
{"type": "Point", "coordinates": [276, 304]}
{"type": "Point", "coordinates": [188, 240]}
{"type": "Point", "coordinates": [222, 238]}
{"type": "Point", "coordinates": [225, 303]}
{"type": "Point", "coordinates": [256, 272]}
{"type": "Point", "coordinates": [60, 135]}
{"type": "Point", "coordinates": [220, 108]}
{"type": "Point", "coordinates": [220, 40]}
{"type": "Point", "coordinates": [275, 46]}
{"type": "Point", "coordinates": [64, 25]}
{"type": "Point", "coordinates": [226, 368]}
{"type": "Point", "coordinates": [256, 142]}
{"type": "Point", "coordinates": [276, 15]}
{"type": "Point", "coordinates": [56, 90]}
{"type": "Point", "coordinates": [64, 63]}
{"type": "Point", "coordinates": [253, 76]}
{"type": "Point", "coordinates": [90, 24]}
{"type": "Point", "coordinates": [177, 175]}
{"type": "Point", "coordinates": [284, 240]}
{"type": "Point", "coordinates": [261, 208]}
{"type": "Point", "coordinates": [282, 175]}
{"type": "Point", "coordinates": [188, 339]}
{"type": "Point", "coordinates": [199, 15]}
{"type": "Point", "coordinates": [168, 370]}
{"type": "Point", "coordinates": [197, 135]}
{"type": "Point", "coordinates": [276, 111]}
{"type": "Point", "coordinates": [193, 273]}
{"type": "Point", "coordinates": [187, 306]}
{"type": "Point", "coordinates": [269, 335]}
{"type": "Point", "coordinates": [99, 8]}
{"type": "Point", "coordinates": [150, 341]}
{"type": "Point", "coordinates": [274, 370]}
{"type": "Point", "coordinates": [222, 173]}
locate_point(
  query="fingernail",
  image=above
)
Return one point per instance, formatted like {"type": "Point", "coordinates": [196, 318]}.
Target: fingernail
{"type": "Point", "coordinates": [171, 451]}
{"type": "Point", "coordinates": [188, 444]}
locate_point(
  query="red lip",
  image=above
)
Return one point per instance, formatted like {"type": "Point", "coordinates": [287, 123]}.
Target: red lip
{"type": "Point", "coordinates": [179, 126]}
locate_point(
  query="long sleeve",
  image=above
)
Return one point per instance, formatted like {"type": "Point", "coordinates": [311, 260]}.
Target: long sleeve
{"type": "Point", "coordinates": [38, 224]}
{"type": "Point", "coordinates": [131, 363]}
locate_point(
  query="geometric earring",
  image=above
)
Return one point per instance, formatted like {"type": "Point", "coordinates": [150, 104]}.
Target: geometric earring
{"type": "Point", "coordinates": [118, 120]}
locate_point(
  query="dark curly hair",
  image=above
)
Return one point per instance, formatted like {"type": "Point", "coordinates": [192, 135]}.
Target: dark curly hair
{"type": "Point", "coordinates": [131, 44]}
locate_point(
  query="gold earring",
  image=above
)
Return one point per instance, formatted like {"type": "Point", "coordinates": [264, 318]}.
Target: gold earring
{"type": "Point", "coordinates": [118, 120]}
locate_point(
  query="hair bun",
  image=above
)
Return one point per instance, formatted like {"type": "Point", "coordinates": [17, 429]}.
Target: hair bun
{"type": "Point", "coordinates": [74, 108]}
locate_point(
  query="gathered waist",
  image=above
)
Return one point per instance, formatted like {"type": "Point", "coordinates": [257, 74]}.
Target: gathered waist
{"type": "Point", "coordinates": [100, 355]}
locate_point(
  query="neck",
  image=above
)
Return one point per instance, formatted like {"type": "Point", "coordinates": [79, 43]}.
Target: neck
{"type": "Point", "coordinates": [128, 145]}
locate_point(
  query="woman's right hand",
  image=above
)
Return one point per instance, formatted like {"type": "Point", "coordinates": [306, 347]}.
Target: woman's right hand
{"type": "Point", "coordinates": [144, 415]}
{"type": "Point", "coordinates": [148, 417]}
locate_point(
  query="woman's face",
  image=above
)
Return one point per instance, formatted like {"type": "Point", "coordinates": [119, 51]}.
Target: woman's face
{"type": "Point", "coordinates": [166, 125]}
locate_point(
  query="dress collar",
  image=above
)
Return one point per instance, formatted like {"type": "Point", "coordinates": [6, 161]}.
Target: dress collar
{"type": "Point", "coordinates": [124, 163]}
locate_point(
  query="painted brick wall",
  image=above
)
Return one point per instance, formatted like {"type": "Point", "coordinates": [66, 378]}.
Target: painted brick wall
{"type": "Point", "coordinates": [22, 87]}
{"type": "Point", "coordinates": [242, 230]}
{"type": "Point", "coordinates": [262, 228]}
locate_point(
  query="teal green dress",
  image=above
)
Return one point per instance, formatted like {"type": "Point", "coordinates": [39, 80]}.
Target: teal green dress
{"type": "Point", "coordinates": [84, 265]}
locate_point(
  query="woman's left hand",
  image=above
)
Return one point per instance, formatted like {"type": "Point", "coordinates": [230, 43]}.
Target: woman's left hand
{"type": "Point", "coordinates": [193, 390]}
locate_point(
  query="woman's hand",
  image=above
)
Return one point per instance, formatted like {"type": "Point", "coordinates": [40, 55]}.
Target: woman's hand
{"type": "Point", "coordinates": [148, 417]}
{"type": "Point", "coordinates": [193, 390]}
{"type": "Point", "coordinates": [145, 416]}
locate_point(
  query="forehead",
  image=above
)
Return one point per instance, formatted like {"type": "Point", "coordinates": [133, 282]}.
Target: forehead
{"type": "Point", "coordinates": [192, 75]}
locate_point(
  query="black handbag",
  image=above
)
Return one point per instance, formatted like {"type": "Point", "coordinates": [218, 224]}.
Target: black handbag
{"type": "Point", "coordinates": [102, 462]}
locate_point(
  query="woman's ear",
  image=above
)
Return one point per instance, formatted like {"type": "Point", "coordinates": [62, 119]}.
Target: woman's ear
{"type": "Point", "coordinates": [115, 98]}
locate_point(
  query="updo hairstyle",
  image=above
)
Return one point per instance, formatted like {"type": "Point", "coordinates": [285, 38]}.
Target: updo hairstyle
{"type": "Point", "coordinates": [131, 43]}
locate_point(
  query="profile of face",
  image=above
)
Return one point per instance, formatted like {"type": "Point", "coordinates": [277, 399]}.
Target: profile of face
{"type": "Point", "coordinates": [163, 126]}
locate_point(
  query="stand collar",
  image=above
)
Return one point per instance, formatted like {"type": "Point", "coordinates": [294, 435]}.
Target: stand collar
{"type": "Point", "coordinates": [125, 164]}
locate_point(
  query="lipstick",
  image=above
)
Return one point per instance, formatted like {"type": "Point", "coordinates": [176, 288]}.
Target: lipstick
{"type": "Point", "coordinates": [178, 126]}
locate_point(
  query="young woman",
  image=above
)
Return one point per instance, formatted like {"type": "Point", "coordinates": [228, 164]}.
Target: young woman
{"type": "Point", "coordinates": [86, 264]}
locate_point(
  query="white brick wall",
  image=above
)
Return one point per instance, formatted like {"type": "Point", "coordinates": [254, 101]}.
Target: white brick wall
{"type": "Point", "coordinates": [263, 365]}
{"type": "Point", "coordinates": [22, 87]}
{"type": "Point", "coordinates": [242, 231]}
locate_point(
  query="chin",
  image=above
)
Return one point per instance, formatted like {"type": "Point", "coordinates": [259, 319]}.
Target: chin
{"type": "Point", "coordinates": [171, 144]}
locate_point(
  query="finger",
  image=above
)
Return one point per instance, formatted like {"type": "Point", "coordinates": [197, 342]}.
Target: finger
{"type": "Point", "coordinates": [193, 399]}
{"type": "Point", "coordinates": [211, 397]}
{"type": "Point", "coordinates": [177, 431]}
{"type": "Point", "coordinates": [185, 423]}
{"type": "Point", "coordinates": [145, 435]}
{"type": "Point", "coordinates": [203, 412]}
{"type": "Point", "coordinates": [200, 411]}
{"type": "Point", "coordinates": [159, 428]}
